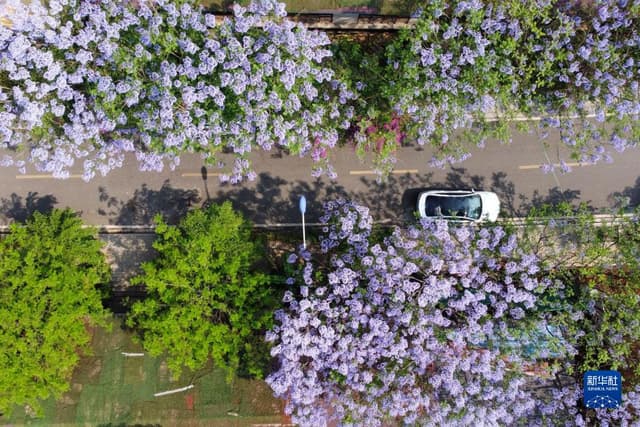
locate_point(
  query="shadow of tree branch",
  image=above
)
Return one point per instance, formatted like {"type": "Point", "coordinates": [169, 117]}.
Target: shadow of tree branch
{"type": "Point", "coordinates": [18, 208]}
{"type": "Point", "coordinates": [172, 203]}
{"type": "Point", "coordinates": [628, 198]}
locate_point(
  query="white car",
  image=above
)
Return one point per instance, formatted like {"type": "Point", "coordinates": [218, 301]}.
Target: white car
{"type": "Point", "coordinates": [459, 205]}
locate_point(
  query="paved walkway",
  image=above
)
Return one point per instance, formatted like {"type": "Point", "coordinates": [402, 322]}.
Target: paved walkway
{"type": "Point", "coordinates": [126, 253]}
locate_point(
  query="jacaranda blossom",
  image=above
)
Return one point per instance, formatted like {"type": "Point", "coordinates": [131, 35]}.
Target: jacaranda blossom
{"type": "Point", "coordinates": [92, 81]}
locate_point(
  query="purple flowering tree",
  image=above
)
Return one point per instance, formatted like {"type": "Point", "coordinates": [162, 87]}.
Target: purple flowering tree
{"type": "Point", "coordinates": [437, 324]}
{"type": "Point", "coordinates": [90, 80]}
{"type": "Point", "coordinates": [410, 329]}
{"type": "Point", "coordinates": [475, 65]}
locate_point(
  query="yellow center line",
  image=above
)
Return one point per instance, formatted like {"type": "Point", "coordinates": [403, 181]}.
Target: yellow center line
{"type": "Point", "coordinates": [557, 165]}
{"type": "Point", "coordinates": [199, 174]}
{"type": "Point", "coordinates": [370, 172]}
{"type": "Point", "coordinates": [44, 176]}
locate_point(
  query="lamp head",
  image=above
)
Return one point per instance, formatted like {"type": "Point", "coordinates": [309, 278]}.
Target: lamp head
{"type": "Point", "coordinates": [303, 204]}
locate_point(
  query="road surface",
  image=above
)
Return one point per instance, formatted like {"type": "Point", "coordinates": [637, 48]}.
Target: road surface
{"type": "Point", "coordinates": [127, 196]}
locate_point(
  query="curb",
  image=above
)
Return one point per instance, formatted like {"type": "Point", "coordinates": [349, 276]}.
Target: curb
{"type": "Point", "coordinates": [150, 229]}
{"type": "Point", "coordinates": [599, 219]}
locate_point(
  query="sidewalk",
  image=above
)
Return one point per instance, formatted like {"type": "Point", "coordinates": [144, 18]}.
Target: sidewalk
{"type": "Point", "coordinates": [126, 253]}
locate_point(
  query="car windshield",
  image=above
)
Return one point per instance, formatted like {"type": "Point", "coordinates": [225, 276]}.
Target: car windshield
{"type": "Point", "coordinates": [462, 206]}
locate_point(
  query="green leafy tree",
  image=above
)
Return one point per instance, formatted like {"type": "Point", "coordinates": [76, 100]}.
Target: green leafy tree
{"type": "Point", "coordinates": [205, 295]}
{"type": "Point", "coordinates": [51, 275]}
{"type": "Point", "coordinates": [599, 307]}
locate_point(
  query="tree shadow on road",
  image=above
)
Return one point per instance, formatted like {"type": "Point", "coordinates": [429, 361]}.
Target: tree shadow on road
{"type": "Point", "coordinates": [274, 200]}
{"type": "Point", "coordinates": [555, 196]}
{"type": "Point", "coordinates": [515, 204]}
{"type": "Point", "coordinates": [459, 178]}
{"type": "Point", "coordinates": [510, 202]}
{"type": "Point", "coordinates": [172, 203]}
{"type": "Point", "coordinates": [393, 199]}
{"type": "Point", "coordinates": [628, 198]}
{"type": "Point", "coordinates": [19, 209]}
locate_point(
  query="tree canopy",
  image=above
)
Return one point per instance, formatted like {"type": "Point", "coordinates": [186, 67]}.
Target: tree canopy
{"type": "Point", "coordinates": [439, 323]}
{"type": "Point", "coordinates": [205, 296]}
{"type": "Point", "coordinates": [475, 65]}
{"type": "Point", "coordinates": [95, 80]}
{"type": "Point", "coordinates": [51, 275]}
{"type": "Point", "coordinates": [257, 81]}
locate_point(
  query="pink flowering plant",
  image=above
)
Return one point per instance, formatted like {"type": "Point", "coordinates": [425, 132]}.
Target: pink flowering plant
{"type": "Point", "coordinates": [377, 131]}
{"type": "Point", "coordinates": [95, 80]}
{"type": "Point", "coordinates": [417, 328]}
{"type": "Point", "coordinates": [469, 67]}
{"type": "Point", "coordinates": [376, 139]}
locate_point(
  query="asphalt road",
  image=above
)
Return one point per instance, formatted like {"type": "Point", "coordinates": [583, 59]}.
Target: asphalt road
{"type": "Point", "coordinates": [127, 196]}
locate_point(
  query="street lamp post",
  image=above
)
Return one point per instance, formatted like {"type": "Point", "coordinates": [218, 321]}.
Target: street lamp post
{"type": "Point", "coordinates": [303, 208]}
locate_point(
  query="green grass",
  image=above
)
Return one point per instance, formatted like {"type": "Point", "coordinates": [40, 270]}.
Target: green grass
{"type": "Point", "coordinates": [109, 389]}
